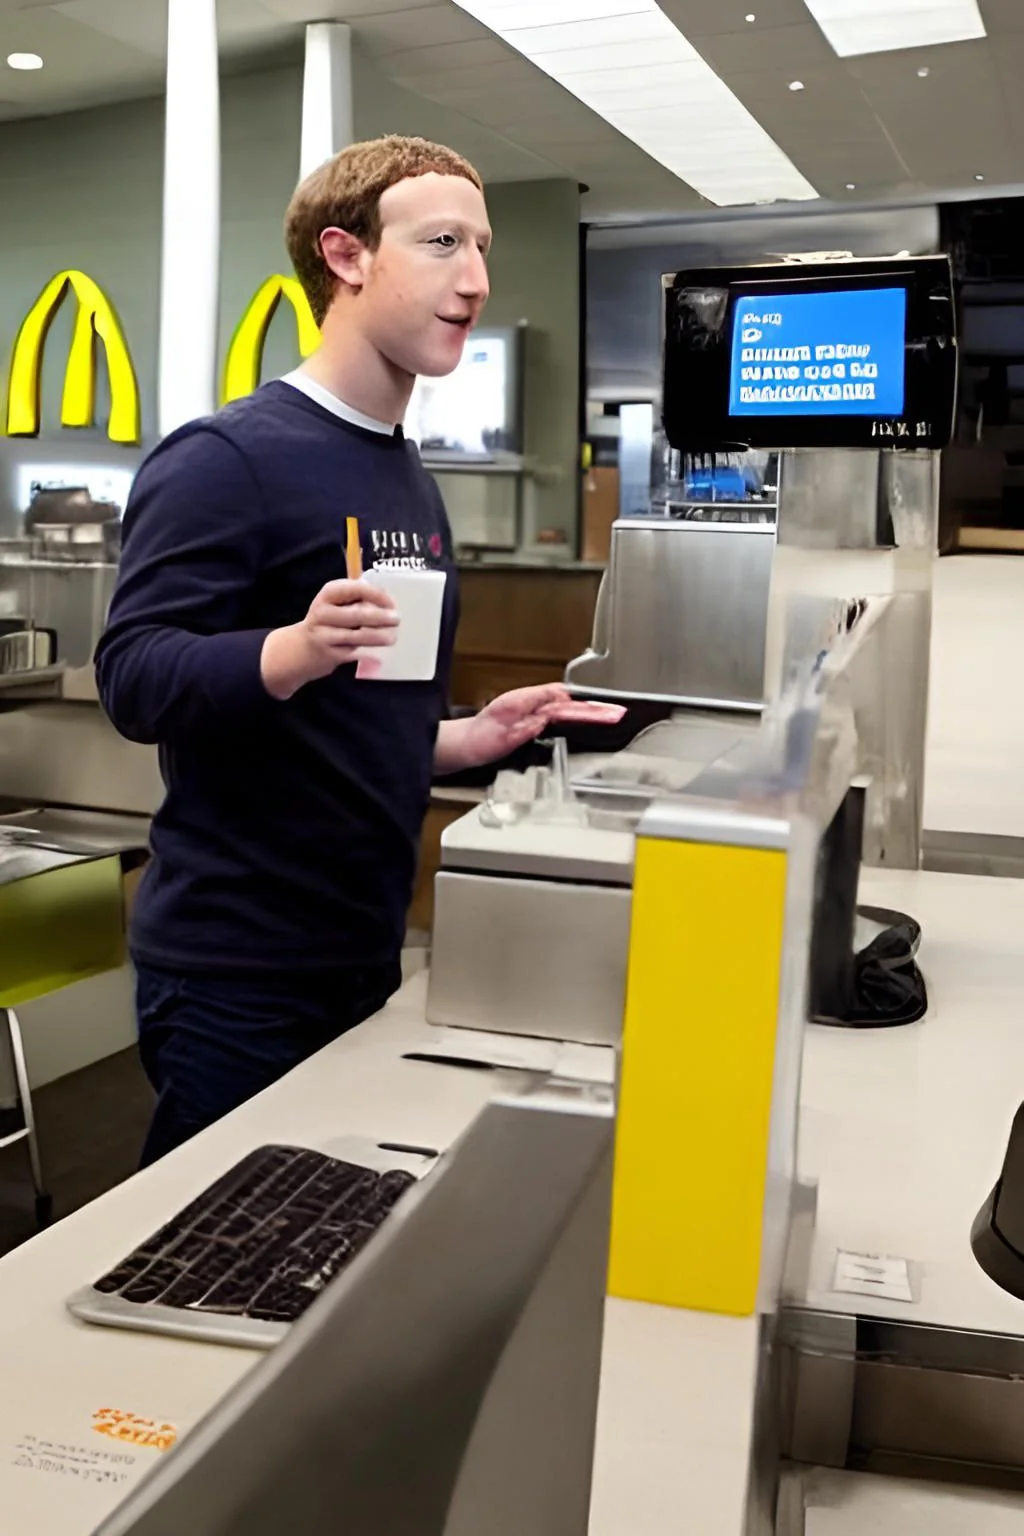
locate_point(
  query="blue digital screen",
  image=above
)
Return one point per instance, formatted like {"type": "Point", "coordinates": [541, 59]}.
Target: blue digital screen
{"type": "Point", "coordinates": [819, 354]}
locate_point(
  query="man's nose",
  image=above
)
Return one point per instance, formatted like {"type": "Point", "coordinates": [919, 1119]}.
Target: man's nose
{"type": "Point", "coordinates": [474, 282]}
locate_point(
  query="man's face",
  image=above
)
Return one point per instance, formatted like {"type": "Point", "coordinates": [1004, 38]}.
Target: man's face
{"type": "Point", "coordinates": [425, 286]}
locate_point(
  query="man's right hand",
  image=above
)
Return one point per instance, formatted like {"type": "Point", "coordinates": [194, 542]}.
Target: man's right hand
{"type": "Point", "coordinates": [345, 618]}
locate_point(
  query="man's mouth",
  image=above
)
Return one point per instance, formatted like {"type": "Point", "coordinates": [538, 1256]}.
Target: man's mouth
{"type": "Point", "coordinates": [461, 322]}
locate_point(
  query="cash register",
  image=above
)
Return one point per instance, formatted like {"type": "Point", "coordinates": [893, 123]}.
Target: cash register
{"type": "Point", "coordinates": [850, 369]}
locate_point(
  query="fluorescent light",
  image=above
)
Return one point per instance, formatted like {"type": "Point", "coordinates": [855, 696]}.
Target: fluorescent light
{"type": "Point", "coordinates": [877, 26]}
{"type": "Point", "coordinates": [626, 61]}
{"type": "Point", "coordinates": [796, 85]}
{"type": "Point", "coordinates": [851, 186]}
{"type": "Point", "coordinates": [923, 72]}
{"type": "Point", "coordinates": [24, 61]}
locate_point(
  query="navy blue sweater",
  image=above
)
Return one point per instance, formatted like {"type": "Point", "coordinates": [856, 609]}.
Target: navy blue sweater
{"type": "Point", "coordinates": [289, 833]}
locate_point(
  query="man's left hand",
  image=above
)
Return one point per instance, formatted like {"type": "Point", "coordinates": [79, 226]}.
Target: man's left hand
{"type": "Point", "coordinates": [512, 720]}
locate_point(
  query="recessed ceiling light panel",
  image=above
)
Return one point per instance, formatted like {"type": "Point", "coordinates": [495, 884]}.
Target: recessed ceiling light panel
{"type": "Point", "coordinates": [626, 61]}
{"type": "Point", "coordinates": [878, 26]}
{"type": "Point", "coordinates": [24, 61]}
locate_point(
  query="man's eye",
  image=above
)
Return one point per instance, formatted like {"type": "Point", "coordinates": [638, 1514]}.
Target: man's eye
{"type": "Point", "coordinates": [446, 242]}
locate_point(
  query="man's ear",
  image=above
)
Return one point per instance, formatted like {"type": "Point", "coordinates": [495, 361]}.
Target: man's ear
{"type": "Point", "coordinates": [345, 255]}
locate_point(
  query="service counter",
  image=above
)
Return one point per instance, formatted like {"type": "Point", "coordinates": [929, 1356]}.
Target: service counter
{"type": "Point", "coordinates": [521, 623]}
{"type": "Point", "coordinates": [903, 1132]}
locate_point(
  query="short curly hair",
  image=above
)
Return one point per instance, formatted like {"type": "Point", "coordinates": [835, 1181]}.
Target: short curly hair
{"type": "Point", "coordinates": [345, 193]}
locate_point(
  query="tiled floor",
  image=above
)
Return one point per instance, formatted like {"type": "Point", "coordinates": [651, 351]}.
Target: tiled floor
{"type": "Point", "coordinates": [91, 1126]}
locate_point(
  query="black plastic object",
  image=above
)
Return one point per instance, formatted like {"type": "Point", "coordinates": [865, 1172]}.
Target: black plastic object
{"type": "Point", "coordinates": [264, 1240]}
{"type": "Point", "coordinates": [997, 1236]}
{"type": "Point", "coordinates": [888, 987]}
{"type": "Point", "coordinates": [700, 313]}
{"type": "Point", "coordinates": [881, 985]}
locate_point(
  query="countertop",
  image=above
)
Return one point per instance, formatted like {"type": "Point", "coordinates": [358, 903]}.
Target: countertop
{"type": "Point", "coordinates": [903, 1130]}
{"type": "Point", "coordinates": [533, 563]}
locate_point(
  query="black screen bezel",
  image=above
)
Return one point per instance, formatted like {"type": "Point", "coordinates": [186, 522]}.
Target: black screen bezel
{"type": "Point", "coordinates": [698, 359]}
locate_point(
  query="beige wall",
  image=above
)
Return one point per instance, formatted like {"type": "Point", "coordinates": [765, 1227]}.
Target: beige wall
{"type": "Point", "coordinates": [535, 277]}
{"type": "Point", "coordinates": [84, 190]}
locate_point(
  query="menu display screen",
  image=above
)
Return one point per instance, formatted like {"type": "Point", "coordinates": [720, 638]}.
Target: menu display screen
{"type": "Point", "coordinates": [824, 354]}
{"type": "Point", "coordinates": [830, 354]}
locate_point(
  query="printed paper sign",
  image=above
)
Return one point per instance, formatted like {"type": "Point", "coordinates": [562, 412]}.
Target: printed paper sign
{"type": "Point", "coordinates": [868, 1274]}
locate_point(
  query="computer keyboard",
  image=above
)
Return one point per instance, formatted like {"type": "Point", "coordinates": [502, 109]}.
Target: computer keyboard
{"type": "Point", "coordinates": [263, 1241]}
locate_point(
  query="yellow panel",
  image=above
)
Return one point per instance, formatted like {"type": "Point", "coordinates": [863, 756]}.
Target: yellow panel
{"type": "Point", "coordinates": [95, 320]}
{"type": "Point", "coordinates": [697, 1064]}
{"type": "Point", "coordinates": [245, 355]}
{"type": "Point", "coordinates": [60, 927]}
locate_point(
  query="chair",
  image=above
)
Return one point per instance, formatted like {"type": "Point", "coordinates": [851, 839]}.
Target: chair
{"type": "Point", "coordinates": [58, 927]}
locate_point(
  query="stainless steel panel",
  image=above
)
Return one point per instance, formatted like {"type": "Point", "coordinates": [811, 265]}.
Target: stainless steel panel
{"type": "Point", "coordinates": [69, 754]}
{"type": "Point", "coordinates": [529, 957]}
{"type": "Point", "coordinates": [791, 1513]}
{"type": "Point", "coordinates": [685, 613]}
{"type": "Point", "coordinates": [828, 499]}
{"type": "Point", "coordinates": [70, 597]}
{"type": "Point", "coordinates": [869, 1389]}
{"type": "Point", "coordinates": [819, 1351]}
{"type": "Point", "coordinates": [856, 526]}
{"type": "Point", "coordinates": [538, 1419]}
{"type": "Point", "coordinates": [535, 847]}
{"type": "Point", "coordinates": [939, 1415]}
{"type": "Point", "coordinates": [380, 1411]}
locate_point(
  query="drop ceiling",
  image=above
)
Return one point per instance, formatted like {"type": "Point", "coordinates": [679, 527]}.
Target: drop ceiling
{"type": "Point", "coordinates": [864, 129]}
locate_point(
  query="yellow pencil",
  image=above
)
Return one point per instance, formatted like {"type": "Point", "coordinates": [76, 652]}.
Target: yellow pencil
{"type": "Point", "coordinates": [353, 550]}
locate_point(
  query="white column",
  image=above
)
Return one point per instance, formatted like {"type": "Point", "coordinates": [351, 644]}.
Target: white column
{"type": "Point", "coordinates": [190, 262]}
{"type": "Point", "coordinates": [326, 94]}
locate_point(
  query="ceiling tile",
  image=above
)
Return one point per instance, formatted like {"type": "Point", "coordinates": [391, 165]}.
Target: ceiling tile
{"type": "Point", "coordinates": [250, 23]}
{"type": "Point", "coordinates": [868, 120]}
{"type": "Point", "coordinates": [137, 25]}
{"type": "Point", "coordinates": [340, 10]}
{"type": "Point", "coordinates": [79, 59]}
{"type": "Point", "coordinates": [716, 18]}
{"type": "Point", "coordinates": [433, 26]}
{"type": "Point", "coordinates": [506, 70]}
{"type": "Point", "coordinates": [508, 103]}
{"type": "Point", "coordinates": [1002, 16]}
{"type": "Point", "coordinates": [445, 59]}
{"type": "Point", "coordinates": [790, 48]}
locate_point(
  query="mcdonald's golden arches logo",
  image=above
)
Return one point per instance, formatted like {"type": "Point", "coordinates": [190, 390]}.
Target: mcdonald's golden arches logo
{"type": "Point", "coordinates": [245, 354]}
{"type": "Point", "coordinates": [94, 321]}
{"type": "Point", "coordinates": [97, 322]}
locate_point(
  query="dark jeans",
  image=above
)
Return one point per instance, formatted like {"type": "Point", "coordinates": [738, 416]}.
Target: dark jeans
{"type": "Point", "coordinates": [208, 1043]}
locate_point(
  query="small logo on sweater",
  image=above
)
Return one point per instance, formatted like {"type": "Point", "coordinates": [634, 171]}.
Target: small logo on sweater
{"type": "Point", "coordinates": [395, 548]}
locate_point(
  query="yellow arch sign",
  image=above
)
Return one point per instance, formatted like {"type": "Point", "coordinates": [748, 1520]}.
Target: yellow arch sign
{"type": "Point", "coordinates": [94, 321]}
{"type": "Point", "coordinates": [245, 355]}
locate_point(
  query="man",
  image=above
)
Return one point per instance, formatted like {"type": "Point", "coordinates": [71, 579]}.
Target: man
{"type": "Point", "coordinates": [272, 914]}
